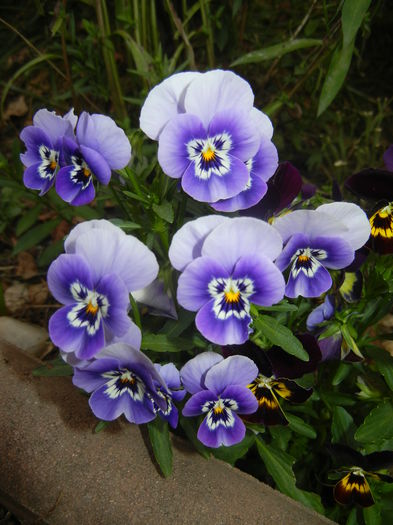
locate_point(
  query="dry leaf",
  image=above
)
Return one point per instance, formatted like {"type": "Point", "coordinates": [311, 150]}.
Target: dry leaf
{"type": "Point", "coordinates": [26, 267]}
{"type": "Point", "coordinates": [16, 108]}
{"type": "Point", "coordinates": [38, 293]}
{"type": "Point", "coordinates": [16, 297]}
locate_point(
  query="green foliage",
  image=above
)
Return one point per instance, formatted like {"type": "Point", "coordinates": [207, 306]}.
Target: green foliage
{"type": "Point", "coordinates": [280, 335]}
{"type": "Point", "coordinates": [161, 444]}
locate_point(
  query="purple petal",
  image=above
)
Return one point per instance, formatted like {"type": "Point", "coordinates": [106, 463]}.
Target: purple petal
{"type": "Point", "coordinates": [193, 285]}
{"type": "Point", "coordinates": [172, 149]}
{"type": "Point", "coordinates": [371, 184]}
{"type": "Point", "coordinates": [193, 406]}
{"type": "Point", "coordinates": [194, 371]}
{"type": "Point", "coordinates": [296, 242]}
{"type": "Point", "coordinates": [234, 370]}
{"type": "Point", "coordinates": [262, 123]}
{"type": "Point", "coordinates": [63, 335]}
{"type": "Point", "coordinates": [157, 300]}
{"type": "Point", "coordinates": [92, 343]}
{"type": "Point", "coordinates": [331, 347]}
{"type": "Point", "coordinates": [353, 217]}
{"type": "Point", "coordinates": [245, 141]}
{"type": "Point", "coordinates": [256, 189]}
{"type": "Point", "coordinates": [64, 271]}
{"type": "Point", "coordinates": [216, 187]}
{"type": "Point", "coordinates": [265, 162]}
{"type": "Point", "coordinates": [268, 281]}
{"type": "Point", "coordinates": [170, 375]}
{"type": "Point", "coordinates": [109, 409]}
{"type": "Point", "coordinates": [388, 158]}
{"type": "Point", "coordinates": [84, 196]}
{"type": "Point", "coordinates": [239, 237]}
{"type": "Point", "coordinates": [71, 117]}
{"type": "Point", "coordinates": [229, 331]}
{"type": "Point", "coordinates": [305, 286]}
{"type": "Point", "coordinates": [216, 91]}
{"type": "Point", "coordinates": [321, 313]}
{"type": "Point", "coordinates": [66, 188]}
{"type": "Point", "coordinates": [97, 164]}
{"type": "Point", "coordinates": [34, 138]}
{"type": "Point", "coordinates": [226, 436]}
{"type": "Point", "coordinates": [32, 179]}
{"type": "Point", "coordinates": [187, 242]}
{"type": "Point", "coordinates": [90, 378]}
{"type": "Point", "coordinates": [101, 134]}
{"type": "Point", "coordinates": [84, 227]}
{"type": "Point", "coordinates": [339, 253]}
{"type": "Point", "coordinates": [246, 402]}
{"type": "Point", "coordinates": [55, 127]}
{"type": "Point", "coordinates": [163, 102]}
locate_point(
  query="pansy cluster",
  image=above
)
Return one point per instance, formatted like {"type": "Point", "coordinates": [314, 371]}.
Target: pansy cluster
{"type": "Point", "coordinates": [271, 287]}
{"type": "Point", "coordinates": [211, 137]}
{"type": "Point", "coordinates": [70, 152]}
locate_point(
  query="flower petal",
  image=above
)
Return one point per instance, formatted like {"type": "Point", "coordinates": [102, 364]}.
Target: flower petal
{"type": "Point", "coordinates": [309, 286]}
{"type": "Point", "coordinates": [245, 400]}
{"type": "Point", "coordinates": [193, 285]}
{"type": "Point", "coordinates": [227, 436]}
{"type": "Point", "coordinates": [64, 271]}
{"type": "Point", "coordinates": [234, 370]}
{"type": "Point", "coordinates": [97, 164]}
{"type": "Point", "coordinates": [193, 406]}
{"type": "Point", "coordinates": [255, 190]}
{"type": "Point", "coordinates": [194, 371]}
{"type": "Point", "coordinates": [187, 242]}
{"type": "Point", "coordinates": [163, 102]}
{"type": "Point", "coordinates": [55, 127]}
{"type": "Point", "coordinates": [262, 123]}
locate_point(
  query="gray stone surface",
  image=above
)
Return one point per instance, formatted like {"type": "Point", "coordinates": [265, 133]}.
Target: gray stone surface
{"type": "Point", "coordinates": [54, 466]}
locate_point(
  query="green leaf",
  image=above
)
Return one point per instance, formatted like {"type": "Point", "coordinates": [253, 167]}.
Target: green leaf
{"type": "Point", "coordinates": [235, 452]}
{"type": "Point", "coordinates": [276, 51]}
{"type": "Point", "coordinates": [384, 363]}
{"type": "Point", "coordinates": [300, 427]}
{"type": "Point", "coordinates": [338, 69]}
{"type": "Point", "coordinates": [34, 236]}
{"type": "Point", "coordinates": [100, 426]}
{"type": "Point", "coordinates": [279, 465]}
{"type": "Point", "coordinates": [281, 307]}
{"type": "Point", "coordinates": [27, 220]}
{"type": "Point", "coordinates": [378, 425]}
{"type": "Point", "coordinates": [164, 211]}
{"type": "Point", "coordinates": [352, 15]}
{"type": "Point", "coordinates": [280, 335]}
{"type": "Point", "coordinates": [342, 426]}
{"type": "Point", "coordinates": [174, 328]}
{"type": "Point", "coordinates": [372, 515]}
{"type": "Point", "coordinates": [57, 369]}
{"type": "Point", "coordinates": [126, 225]}
{"type": "Point", "coordinates": [162, 343]}
{"type": "Point", "coordinates": [161, 444]}
{"type": "Point", "coordinates": [352, 518]}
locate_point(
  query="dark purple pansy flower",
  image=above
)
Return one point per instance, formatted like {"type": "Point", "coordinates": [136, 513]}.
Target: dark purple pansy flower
{"type": "Point", "coordinates": [44, 140]}
{"type": "Point", "coordinates": [267, 388]}
{"type": "Point", "coordinates": [174, 392]}
{"type": "Point", "coordinates": [100, 147]}
{"type": "Point", "coordinates": [226, 265]}
{"type": "Point", "coordinates": [318, 240]}
{"type": "Point", "coordinates": [219, 392]}
{"type": "Point", "coordinates": [123, 381]}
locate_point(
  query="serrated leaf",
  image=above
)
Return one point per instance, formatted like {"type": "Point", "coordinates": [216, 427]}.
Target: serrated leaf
{"type": "Point", "coordinates": [34, 236]}
{"type": "Point", "coordinates": [27, 220]}
{"type": "Point", "coordinates": [164, 211]}
{"type": "Point", "coordinates": [279, 465]}
{"type": "Point", "coordinates": [235, 452]}
{"type": "Point", "coordinates": [276, 51]}
{"type": "Point", "coordinates": [161, 444]}
{"type": "Point", "coordinates": [352, 15]}
{"type": "Point", "coordinates": [280, 335]}
{"type": "Point", "coordinates": [162, 343]}
{"type": "Point", "coordinates": [300, 427]}
{"type": "Point", "coordinates": [378, 425]}
{"type": "Point", "coordinates": [338, 69]}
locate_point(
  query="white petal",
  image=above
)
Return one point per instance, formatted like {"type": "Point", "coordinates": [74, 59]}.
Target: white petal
{"type": "Point", "coordinates": [83, 227]}
{"type": "Point", "coordinates": [354, 218]}
{"type": "Point", "coordinates": [262, 123]}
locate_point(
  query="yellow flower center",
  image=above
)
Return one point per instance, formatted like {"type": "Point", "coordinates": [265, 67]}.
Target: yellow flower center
{"type": "Point", "coordinates": [303, 258]}
{"type": "Point", "coordinates": [232, 297]}
{"type": "Point", "coordinates": [209, 154]}
{"type": "Point", "coordinates": [91, 309]}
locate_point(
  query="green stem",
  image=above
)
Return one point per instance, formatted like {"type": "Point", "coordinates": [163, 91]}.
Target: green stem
{"type": "Point", "coordinates": [205, 13]}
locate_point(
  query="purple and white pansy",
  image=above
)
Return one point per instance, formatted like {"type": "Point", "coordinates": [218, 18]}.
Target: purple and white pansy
{"type": "Point", "coordinates": [44, 141]}
{"type": "Point", "coordinates": [226, 265]}
{"type": "Point", "coordinates": [218, 389]}
{"type": "Point", "coordinates": [211, 137]}
{"type": "Point", "coordinates": [318, 240]}
{"type": "Point", "coordinates": [56, 155]}
{"type": "Point", "coordinates": [93, 279]}
{"type": "Point", "coordinates": [123, 381]}
{"type": "Point", "coordinates": [100, 147]}
{"type": "Point", "coordinates": [175, 392]}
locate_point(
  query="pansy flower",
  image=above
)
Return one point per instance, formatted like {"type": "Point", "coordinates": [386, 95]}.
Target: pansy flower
{"type": "Point", "coordinates": [122, 381]}
{"type": "Point", "coordinates": [377, 185]}
{"type": "Point", "coordinates": [44, 140]}
{"type": "Point", "coordinates": [211, 137]}
{"type": "Point", "coordinates": [219, 393]}
{"type": "Point", "coordinates": [318, 240]}
{"type": "Point", "coordinates": [174, 392]}
{"type": "Point", "coordinates": [93, 280]}
{"type": "Point", "coordinates": [226, 265]}
{"type": "Point", "coordinates": [100, 147]}
{"type": "Point", "coordinates": [268, 388]}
